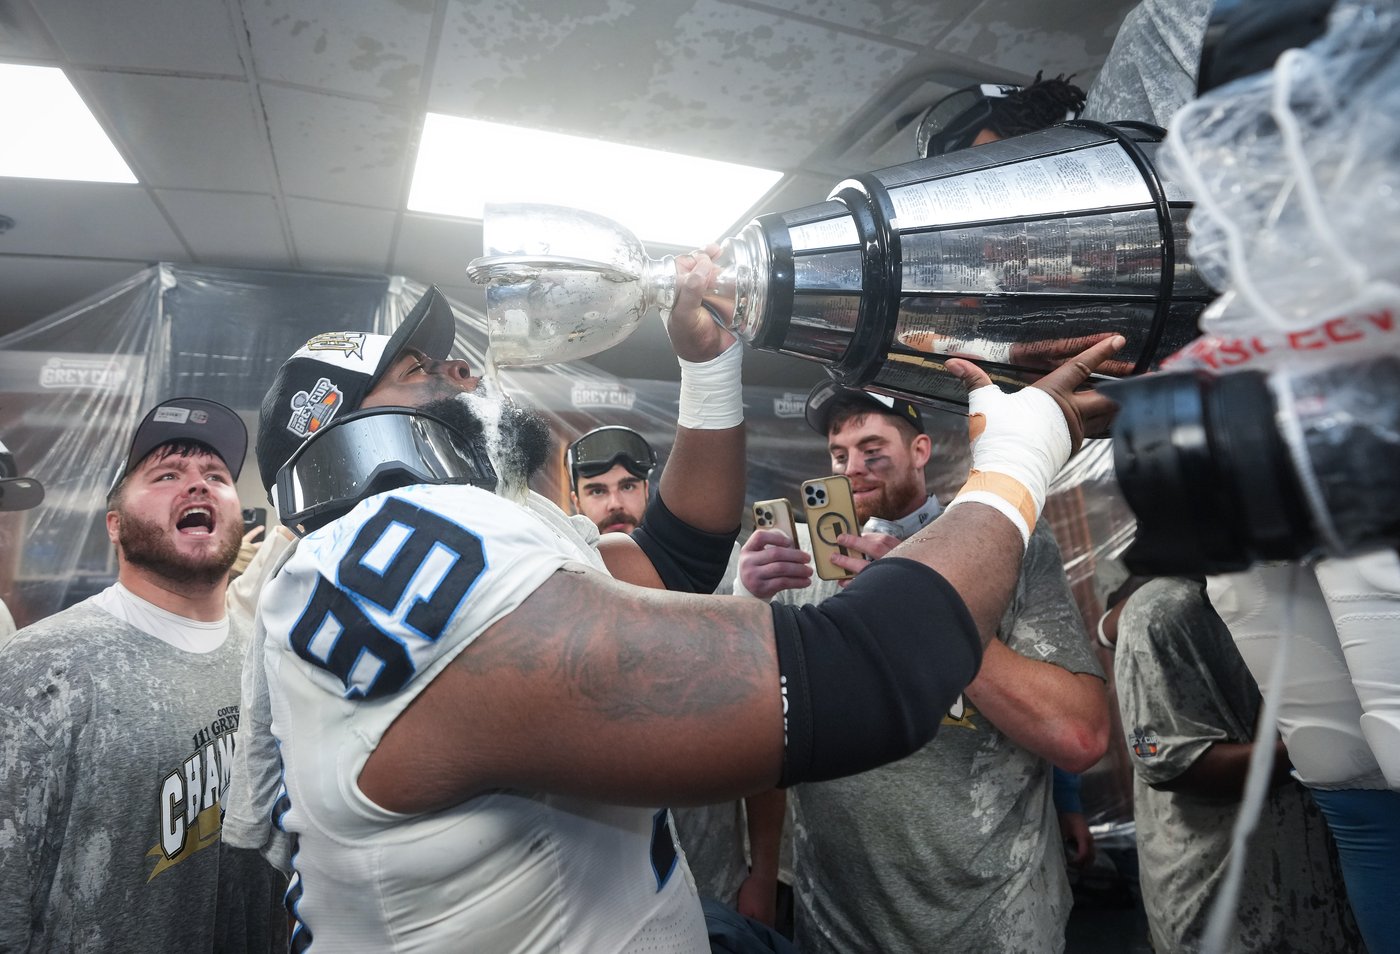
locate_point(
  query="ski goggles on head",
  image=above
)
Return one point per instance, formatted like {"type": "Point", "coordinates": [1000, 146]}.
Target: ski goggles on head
{"type": "Point", "coordinates": [599, 451]}
{"type": "Point", "coordinates": [956, 119]}
{"type": "Point", "coordinates": [371, 452]}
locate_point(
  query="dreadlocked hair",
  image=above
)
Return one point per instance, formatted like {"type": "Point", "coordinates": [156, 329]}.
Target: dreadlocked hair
{"type": "Point", "coordinates": [1042, 103]}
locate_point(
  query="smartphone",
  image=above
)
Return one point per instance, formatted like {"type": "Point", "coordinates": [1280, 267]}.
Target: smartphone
{"type": "Point", "coordinates": [254, 517]}
{"type": "Point", "coordinates": [831, 511]}
{"type": "Point", "coordinates": [774, 515]}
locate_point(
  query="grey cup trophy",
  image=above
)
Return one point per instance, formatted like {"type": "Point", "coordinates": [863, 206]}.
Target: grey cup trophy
{"type": "Point", "coordinates": [1017, 254]}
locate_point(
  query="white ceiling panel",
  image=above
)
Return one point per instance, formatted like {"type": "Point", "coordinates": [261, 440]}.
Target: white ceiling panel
{"type": "Point", "coordinates": [228, 228]}
{"type": "Point", "coordinates": [436, 249]}
{"type": "Point", "coordinates": [327, 235]}
{"type": "Point", "coordinates": [378, 53]}
{"type": "Point", "coordinates": [192, 36]}
{"type": "Point", "coordinates": [185, 133]}
{"type": "Point", "coordinates": [85, 220]}
{"type": "Point", "coordinates": [704, 78]}
{"type": "Point", "coordinates": [340, 150]}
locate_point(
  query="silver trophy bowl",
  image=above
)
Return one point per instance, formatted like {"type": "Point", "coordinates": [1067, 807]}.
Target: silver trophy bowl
{"type": "Point", "coordinates": [1016, 255]}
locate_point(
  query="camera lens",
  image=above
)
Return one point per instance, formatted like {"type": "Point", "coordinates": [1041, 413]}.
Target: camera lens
{"type": "Point", "coordinates": [1222, 472]}
{"type": "Point", "coordinates": [1206, 474]}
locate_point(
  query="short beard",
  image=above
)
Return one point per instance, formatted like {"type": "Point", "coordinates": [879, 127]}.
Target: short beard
{"type": "Point", "coordinates": [525, 441]}
{"type": "Point", "coordinates": [911, 495]}
{"type": "Point", "coordinates": [147, 545]}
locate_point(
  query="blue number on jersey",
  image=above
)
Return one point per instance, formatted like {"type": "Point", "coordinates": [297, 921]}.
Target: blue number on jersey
{"type": "Point", "coordinates": [369, 661]}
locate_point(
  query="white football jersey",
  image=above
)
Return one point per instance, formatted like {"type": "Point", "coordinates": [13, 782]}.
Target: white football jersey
{"type": "Point", "coordinates": [363, 616]}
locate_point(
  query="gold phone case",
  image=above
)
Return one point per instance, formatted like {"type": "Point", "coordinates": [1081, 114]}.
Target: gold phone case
{"type": "Point", "coordinates": [774, 515]}
{"type": "Point", "coordinates": [831, 511]}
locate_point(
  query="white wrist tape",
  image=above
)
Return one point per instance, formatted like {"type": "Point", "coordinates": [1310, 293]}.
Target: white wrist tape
{"type": "Point", "coordinates": [1019, 443]}
{"type": "Point", "coordinates": [1102, 636]}
{"type": "Point", "coordinates": [712, 395]}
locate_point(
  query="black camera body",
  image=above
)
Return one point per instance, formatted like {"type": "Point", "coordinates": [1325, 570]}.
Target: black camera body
{"type": "Point", "coordinates": [1224, 471]}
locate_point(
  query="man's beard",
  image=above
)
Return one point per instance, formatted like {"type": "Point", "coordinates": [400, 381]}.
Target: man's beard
{"type": "Point", "coordinates": [622, 517]}
{"type": "Point", "coordinates": [516, 439]}
{"type": "Point", "coordinates": [892, 502]}
{"type": "Point", "coordinates": [148, 545]}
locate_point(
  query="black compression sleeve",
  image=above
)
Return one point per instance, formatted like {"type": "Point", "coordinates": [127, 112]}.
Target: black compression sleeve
{"type": "Point", "coordinates": [869, 673]}
{"type": "Point", "coordinates": [687, 560]}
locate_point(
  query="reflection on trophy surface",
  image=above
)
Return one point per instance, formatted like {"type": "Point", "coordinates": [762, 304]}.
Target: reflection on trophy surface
{"type": "Point", "coordinates": [1016, 254]}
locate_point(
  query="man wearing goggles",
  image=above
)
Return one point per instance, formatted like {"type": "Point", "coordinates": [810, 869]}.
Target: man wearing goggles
{"type": "Point", "coordinates": [991, 111]}
{"type": "Point", "coordinates": [609, 470]}
{"type": "Point", "coordinates": [463, 694]}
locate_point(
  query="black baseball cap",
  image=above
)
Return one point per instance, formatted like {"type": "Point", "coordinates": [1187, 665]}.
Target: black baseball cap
{"type": "Point", "coordinates": [603, 448]}
{"type": "Point", "coordinates": [332, 373]}
{"type": "Point", "coordinates": [16, 492]}
{"type": "Point", "coordinates": [828, 395]}
{"type": "Point", "coordinates": [189, 419]}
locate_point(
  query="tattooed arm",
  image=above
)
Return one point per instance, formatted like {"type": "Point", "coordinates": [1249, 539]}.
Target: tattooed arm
{"type": "Point", "coordinates": [599, 689]}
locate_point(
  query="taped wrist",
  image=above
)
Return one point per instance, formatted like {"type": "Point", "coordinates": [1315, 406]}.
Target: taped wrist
{"type": "Point", "coordinates": [1019, 443]}
{"type": "Point", "coordinates": [687, 560]}
{"type": "Point", "coordinates": [868, 674]}
{"type": "Point", "coordinates": [712, 396]}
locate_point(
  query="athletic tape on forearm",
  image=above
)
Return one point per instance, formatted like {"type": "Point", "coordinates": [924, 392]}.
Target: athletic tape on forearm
{"type": "Point", "coordinates": [712, 394]}
{"type": "Point", "coordinates": [1019, 443]}
{"type": "Point", "coordinates": [868, 674]}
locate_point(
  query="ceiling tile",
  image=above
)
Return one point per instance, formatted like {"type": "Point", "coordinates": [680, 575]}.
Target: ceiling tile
{"type": "Point", "coordinates": [22, 34]}
{"type": "Point", "coordinates": [327, 235]}
{"type": "Point", "coordinates": [912, 22]}
{"type": "Point", "coordinates": [1025, 37]}
{"type": "Point", "coordinates": [85, 220]}
{"type": "Point", "coordinates": [377, 51]}
{"type": "Point", "coordinates": [185, 133]}
{"type": "Point", "coordinates": [702, 78]}
{"type": "Point", "coordinates": [193, 36]}
{"type": "Point", "coordinates": [223, 228]}
{"type": "Point", "coordinates": [338, 149]}
{"type": "Point", "coordinates": [434, 248]}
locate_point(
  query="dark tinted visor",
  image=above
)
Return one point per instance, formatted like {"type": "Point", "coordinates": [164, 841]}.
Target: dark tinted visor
{"type": "Point", "coordinates": [370, 452]}
{"type": "Point", "coordinates": [954, 121]}
{"type": "Point", "coordinates": [598, 452]}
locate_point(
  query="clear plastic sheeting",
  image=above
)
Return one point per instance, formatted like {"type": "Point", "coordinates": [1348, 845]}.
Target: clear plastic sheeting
{"type": "Point", "coordinates": [74, 385]}
{"type": "Point", "coordinates": [1298, 199]}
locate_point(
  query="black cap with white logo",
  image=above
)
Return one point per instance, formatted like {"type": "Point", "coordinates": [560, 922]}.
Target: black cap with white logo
{"type": "Point", "coordinates": [189, 419]}
{"type": "Point", "coordinates": [828, 395]}
{"type": "Point", "coordinates": [332, 373]}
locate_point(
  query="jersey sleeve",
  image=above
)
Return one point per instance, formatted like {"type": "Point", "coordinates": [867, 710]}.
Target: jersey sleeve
{"type": "Point", "coordinates": [404, 582]}
{"type": "Point", "coordinates": [1171, 707]}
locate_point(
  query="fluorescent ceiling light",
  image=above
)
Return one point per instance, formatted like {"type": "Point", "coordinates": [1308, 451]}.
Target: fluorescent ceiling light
{"type": "Point", "coordinates": [49, 131]}
{"type": "Point", "coordinates": [659, 196]}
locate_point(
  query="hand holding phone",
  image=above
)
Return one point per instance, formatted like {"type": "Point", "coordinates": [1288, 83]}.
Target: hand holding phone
{"type": "Point", "coordinates": [254, 517]}
{"type": "Point", "coordinates": [775, 515]}
{"type": "Point", "coordinates": [831, 511]}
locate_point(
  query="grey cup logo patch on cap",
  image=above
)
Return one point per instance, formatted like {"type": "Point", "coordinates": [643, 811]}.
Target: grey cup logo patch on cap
{"type": "Point", "coordinates": [313, 410]}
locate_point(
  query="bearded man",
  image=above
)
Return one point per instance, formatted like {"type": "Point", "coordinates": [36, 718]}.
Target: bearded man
{"type": "Point", "coordinates": [118, 717]}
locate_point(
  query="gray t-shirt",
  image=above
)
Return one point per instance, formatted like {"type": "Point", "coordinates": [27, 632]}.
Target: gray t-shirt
{"type": "Point", "coordinates": [957, 847]}
{"type": "Point", "coordinates": [1150, 72]}
{"type": "Point", "coordinates": [115, 753]}
{"type": "Point", "coordinates": [1182, 687]}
